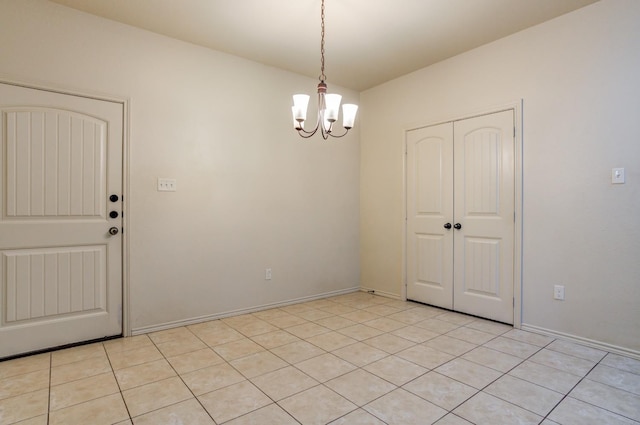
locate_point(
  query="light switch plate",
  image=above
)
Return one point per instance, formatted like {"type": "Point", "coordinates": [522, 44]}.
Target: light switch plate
{"type": "Point", "coordinates": [166, 185]}
{"type": "Point", "coordinates": [617, 175]}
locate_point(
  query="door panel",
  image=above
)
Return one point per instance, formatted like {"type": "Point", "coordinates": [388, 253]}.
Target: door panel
{"type": "Point", "coordinates": [429, 207]}
{"type": "Point", "coordinates": [60, 269]}
{"type": "Point", "coordinates": [484, 206]}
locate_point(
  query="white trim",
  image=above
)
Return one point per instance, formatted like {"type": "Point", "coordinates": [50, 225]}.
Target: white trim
{"type": "Point", "coordinates": [401, 297]}
{"type": "Point", "coordinates": [516, 106]}
{"type": "Point", "coordinates": [206, 318]}
{"type": "Point", "coordinates": [125, 102]}
{"type": "Point", "coordinates": [635, 354]}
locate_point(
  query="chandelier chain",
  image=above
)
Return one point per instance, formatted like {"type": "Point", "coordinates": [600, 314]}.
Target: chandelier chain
{"type": "Point", "coordinates": [322, 76]}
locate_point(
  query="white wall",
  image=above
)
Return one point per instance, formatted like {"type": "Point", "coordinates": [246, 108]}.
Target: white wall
{"type": "Point", "coordinates": [578, 76]}
{"type": "Point", "coordinates": [251, 194]}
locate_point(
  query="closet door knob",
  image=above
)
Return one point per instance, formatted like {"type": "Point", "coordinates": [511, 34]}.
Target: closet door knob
{"type": "Point", "coordinates": [457, 226]}
{"type": "Point", "coordinates": [447, 226]}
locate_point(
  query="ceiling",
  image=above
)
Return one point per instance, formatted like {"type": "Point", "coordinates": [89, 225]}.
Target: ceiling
{"type": "Point", "coordinates": [367, 42]}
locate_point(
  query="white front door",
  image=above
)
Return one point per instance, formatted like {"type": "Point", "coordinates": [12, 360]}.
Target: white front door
{"type": "Point", "coordinates": [60, 267]}
{"type": "Point", "coordinates": [460, 215]}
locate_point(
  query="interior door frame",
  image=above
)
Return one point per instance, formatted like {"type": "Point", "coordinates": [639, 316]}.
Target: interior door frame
{"type": "Point", "coordinates": [516, 106]}
{"type": "Point", "coordinates": [126, 103]}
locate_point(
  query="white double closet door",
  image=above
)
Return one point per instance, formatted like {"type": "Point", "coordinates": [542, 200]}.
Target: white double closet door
{"type": "Point", "coordinates": [460, 215]}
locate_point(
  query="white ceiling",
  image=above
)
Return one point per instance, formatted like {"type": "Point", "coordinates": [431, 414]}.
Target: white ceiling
{"type": "Point", "coordinates": [367, 42]}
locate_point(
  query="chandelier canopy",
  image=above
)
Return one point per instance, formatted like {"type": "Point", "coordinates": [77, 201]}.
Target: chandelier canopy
{"type": "Point", "coordinates": [328, 104]}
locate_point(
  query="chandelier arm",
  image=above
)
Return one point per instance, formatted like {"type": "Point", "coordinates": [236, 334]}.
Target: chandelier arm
{"type": "Point", "coordinates": [322, 76]}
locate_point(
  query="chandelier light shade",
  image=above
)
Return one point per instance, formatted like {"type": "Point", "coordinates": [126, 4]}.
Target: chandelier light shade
{"type": "Point", "coordinates": [328, 104]}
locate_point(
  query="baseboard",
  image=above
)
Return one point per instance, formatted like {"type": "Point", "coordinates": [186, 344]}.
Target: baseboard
{"type": "Point", "coordinates": [200, 319]}
{"type": "Point", "coordinates": [584, 341]}
{"type": "Point", "coordinates": [381, 293]}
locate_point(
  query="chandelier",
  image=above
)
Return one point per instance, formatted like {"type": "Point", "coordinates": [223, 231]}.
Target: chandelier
{"type": "Point", "coordinates": [328, 104]}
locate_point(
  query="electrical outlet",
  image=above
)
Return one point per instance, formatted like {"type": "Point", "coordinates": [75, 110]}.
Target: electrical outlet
{"type": "Point", "coordinates": [267, 274]}
{"type": "Point", "coordinates": [558, 292]}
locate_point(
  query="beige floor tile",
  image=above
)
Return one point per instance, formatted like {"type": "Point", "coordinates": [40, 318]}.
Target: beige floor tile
{"type": "Point", "coordinates": [441, 390]}
{"type": "Point", "coordinates": [616, 378]}
{"type": "Point", "coordinates": [258, 364]}
{"type": "Point", "coordinates": [546, 376]}
{"type": "Point", "coordinates": [454, 346]}
{"type": "Point", "coordinates": [234, 401]}
{"type": "Point", "coordinates": [240, 320]}
{"type": "Point", "coordinates": [456, 318]}
{"type": "Point", "coordinates": [25, 406]}
{"type": "Point", "coordinates": [528, 337]}
{"type": "Point", "coordinates": [396, 370]}
{"type": "Point", "coordinates": [622, 362]}
{"type": "Point", "coordinates": [313, 315]}
{"type": "Point", "coordinates": [525, 394]}
{"type": "Point", "coordinates": [360, 316]}
{"type": "Point", "coordinates": [256, 327]}
{"type": "Point", "coordinates": [438, 326]}
{"type": "Point", "coordinates": [358, 417]}
{"type": "Point", "coordinates": [426, 357]}
{"type": "Point", "coordinates": [575, 412]}
{"type": "Point", "coordinates": [469, 373]}
{"type": "Point", "coordinates": [71, 355]}
{"type": "Point", "coordinates": [491, 358]}
{"type": "Point", "coordinates": [269, 415]}
{"type": "Point", "coordinates": [563, 362]}
{"type": "Point", "coordinates": [471, 335]}
{"type": "Point", "coordinates": [336, 322]}
{"type": "Point", "coordinates": [136, 356]}
{"type": "Point", "coordinates": [102, 411]}
{"type": "Point", "coordinates": [488, 326]}
{"type": "Point", "coordinates": [513, 347]}
{"type": "Point", "coordinates": [577, 350]}
{"type": "Point", "coordinates": [389, 343]}
{"type": "Point", "coordinates": [336, 309]}
{"type": "Point", "coordinates": [25, 365]}
{"type": "Point", "coordinates": [25, 383]}
{"type": "Point", "coordinates": [382, 310]}
{"type": "Point", "coordinates": [127, 343]}
{"type": "Point", "coordinates": [325, 367]}
{"type": "Point", "coordinates": [452, 419]}
{"type": "Point", "coordinates": [186, 344]}
{"type": "Point", "coordinates": [80, 369]}
{"type": "Point", "coordinates": [212, 378]}
{"type": "Point", "coordinates": [385, 324]}
{"type": "Point", "coordinates": [316, 406]}
{"type": "Point", "coordinates": [360, 387]}
{"type": "Point", "coordinates": [307, 330]}
{"type": "Point", "coordinates": [38, 420]}
{"type": "Point", "coordinates": [237, 349]}
{"type": "Point", "coordinates": [284, 382]}
{"type": "Point", "coordinates": [195, 360]}
{"type": "Point", "coordinates": [405, 305]}
{"type": "Point", "coordinates": [298, 351]}
{"type": "Point", "coordinates": [146, 398]}
{"type": "Point", "coordinates": [415, 334]}
{"type": "Point", "coordinates": [485, 409]}
{"type": "Point", "coordinates": [617, 401]}
{"type": "Point", "coordinates": [143, 374]}
{"type": "Point", "coordinates": [275, 339]}
{"type": "Point", "coordinates": [360, 332]}
{"type": "Point", "coordinates": [186, 412]}
{"type": "Point", "coordinates": [208, 326]}
{"type": "Point", "coordinates": [214, 338]}
{"type": "Point", "coordinates": [331, 341]}
{"type": "Point", "coordinates": [82, 390]}
{"type": "Point", "coordinates": [360, 354]}
{"type": "Point", "coordinates": [295, 308]}
{"type": "Point", "coordinates": [169, 335]}
{"type": "Point", "coordinates": [269, 314]}
{"type": "Point", "coordinates": [400, 407]}
{"type": "Point", "coordinates": [287, 321]}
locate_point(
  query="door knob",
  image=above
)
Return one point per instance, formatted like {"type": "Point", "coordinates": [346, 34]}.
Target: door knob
{"type": "Point", "coordinates": [113, 198]}
{"type": "Point", "coordinates": [457, 226]}
{"type": "Point", "coordinates": [447, 226]}
{"type": "Point", "coordinates": [113, 231]}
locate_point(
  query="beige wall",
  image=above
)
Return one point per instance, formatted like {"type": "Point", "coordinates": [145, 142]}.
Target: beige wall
{"type": "Point", "coordinates": [578, 78]}
{"type": "Point", "coordinates": [251, 194]}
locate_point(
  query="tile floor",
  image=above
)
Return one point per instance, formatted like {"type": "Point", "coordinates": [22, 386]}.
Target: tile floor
{"type": "Point", "coordinates": [351, 359]}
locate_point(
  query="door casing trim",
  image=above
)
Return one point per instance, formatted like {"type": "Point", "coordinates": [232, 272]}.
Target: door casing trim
{"type": "Point", "coordinates": [517, 107]}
